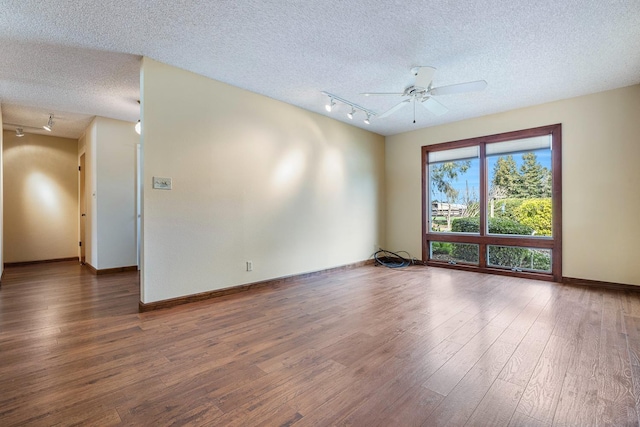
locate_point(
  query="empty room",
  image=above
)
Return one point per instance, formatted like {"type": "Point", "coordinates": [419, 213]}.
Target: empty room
{"type": "Point", "coordinates": [320, 213]}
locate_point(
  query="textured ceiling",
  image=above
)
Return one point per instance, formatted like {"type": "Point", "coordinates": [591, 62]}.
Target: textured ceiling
{"type": "Point", "coordinates": [80, 59]}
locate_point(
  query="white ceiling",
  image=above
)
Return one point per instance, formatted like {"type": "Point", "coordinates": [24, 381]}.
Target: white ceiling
{"type": "Point", "coordinates": [80, 59]}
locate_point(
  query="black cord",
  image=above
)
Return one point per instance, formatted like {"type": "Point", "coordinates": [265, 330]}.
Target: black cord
{"type": "Point", "coordinates": [391, 259]}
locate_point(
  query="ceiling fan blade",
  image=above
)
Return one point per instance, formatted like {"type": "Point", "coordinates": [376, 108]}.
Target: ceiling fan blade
{"type": "Point", "coordinates": [459, 88]}
{"type": "Point", "coordinates": [434, 106]}
{"type": "Point", "coordinates": [382, 93]}
{"type": "Point", "coordinates": [394, 109]}
{"type": "Point", "coordinates": [424, 76]}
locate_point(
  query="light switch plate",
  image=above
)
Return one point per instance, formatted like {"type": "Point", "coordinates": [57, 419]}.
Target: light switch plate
{"type": "Point", "coordinates": [160, 183]}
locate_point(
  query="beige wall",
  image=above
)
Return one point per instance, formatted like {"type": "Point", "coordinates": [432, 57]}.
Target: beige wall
{"type": "Point", "coordinates": [1, 197]}
{"type": "Point", "coordinates": [110, 150]}
{"type": "Point", "coordinates": [40, 197]}
{"type": "Point", "coordinates": [601, 200]}
{"type": "Point", "coordinates": [253, 179]}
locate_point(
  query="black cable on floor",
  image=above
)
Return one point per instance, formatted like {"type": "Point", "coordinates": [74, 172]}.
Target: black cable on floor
{"type": "Point", "coordinates": [391, 259]}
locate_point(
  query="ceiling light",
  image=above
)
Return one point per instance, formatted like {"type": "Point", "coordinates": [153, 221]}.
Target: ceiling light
{"type": "Point", "coordinates": [19, 133]}
{"type": "Point", "coordinates": [49, 124]}
{"type": "Point", "coordinates": [355, 108]}
{"type": "Point", "coordinates": [330, 105]}
{"type": "Point", "coordinates": [138, 127]}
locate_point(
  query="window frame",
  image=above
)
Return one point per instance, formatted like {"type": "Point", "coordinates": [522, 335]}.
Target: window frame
{"type": "Point", "coordinates": [483, 239]}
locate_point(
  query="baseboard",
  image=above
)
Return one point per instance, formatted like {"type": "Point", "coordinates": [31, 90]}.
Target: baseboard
{"type": "Point", "coordinates": [42, 261]}
{"type": "Point", "coordinates": [157, 305]}
{"type": "Point", "coordinates": [600, 284]}
{"type": "Point", "coordinates": [97, 272]}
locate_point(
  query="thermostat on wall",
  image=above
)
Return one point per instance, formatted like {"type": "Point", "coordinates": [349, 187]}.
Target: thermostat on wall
{"type": "Point", "coordinates": [161, 183]}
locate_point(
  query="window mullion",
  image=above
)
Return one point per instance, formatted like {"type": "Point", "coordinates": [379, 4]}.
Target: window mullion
{"type": "Point", "coordinates": [483, 190]}
{"type": "Point", "coordinates": [483, 204]}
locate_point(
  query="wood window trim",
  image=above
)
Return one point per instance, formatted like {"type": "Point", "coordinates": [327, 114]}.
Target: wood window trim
{"type": "Point", "coordinates": [554, 243]}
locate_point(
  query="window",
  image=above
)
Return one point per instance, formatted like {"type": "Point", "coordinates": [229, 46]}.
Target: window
{"type": "Point", "coordinates": [494, 203]}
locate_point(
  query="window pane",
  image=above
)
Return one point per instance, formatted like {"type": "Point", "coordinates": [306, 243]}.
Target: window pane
{"type": "Point", "coordinates": [519, 188]}
{"type": "Point", "coordinates": [454, 253]}
{"type": "Point", "coordinates": [454, 187]}
{"type": "Point", "coordinates": [519, 259]}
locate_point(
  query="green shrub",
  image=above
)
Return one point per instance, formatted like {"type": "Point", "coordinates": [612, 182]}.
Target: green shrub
{"type": "Point", "coordinates": [441, 248]}
{"type": "Point", "coordinates": [524, 258]}
{"type": "Point", "coordinates": [466, 252]}
{"type": "Point", "coordinates": [535, 213]}
{"type": "Point", "coordinates": [496, 226]}
{"type": "Point", "coordinates": [506, 256]}
{"type": "Point", "coordinates": [498, 256]}
{"type": "Point", "coordinates": [541, 260]}
{"type": "Point", "coordinates": [505, 208]}
{"type": "Point", "coordinates": [465, 225]}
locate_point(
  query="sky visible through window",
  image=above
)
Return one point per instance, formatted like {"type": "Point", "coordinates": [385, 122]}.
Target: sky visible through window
{"type": "Point", "coordinates": [471, 177]}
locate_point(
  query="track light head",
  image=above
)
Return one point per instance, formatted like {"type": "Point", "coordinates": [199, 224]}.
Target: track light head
{"type": "Point", "coordinates": [49, 124]}
{"type": "Point", "coordinates": [138, 127]}
{"type": "Point", "coordinates": [19, 132]}
{"type": "Point", "coordinates": [355, 108]}
{"type": "Point", "coordinates": [330, 105]}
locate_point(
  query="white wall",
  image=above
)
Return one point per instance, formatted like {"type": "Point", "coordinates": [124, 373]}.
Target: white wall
{"type": "Point", "coordinates": [41, 197]}
{"type": "Point", "coordinates": [601, 150]}
{"type": "Point", "coordinates": [110, 150]}
{"type": "Point", "coordinates": [253, 179]}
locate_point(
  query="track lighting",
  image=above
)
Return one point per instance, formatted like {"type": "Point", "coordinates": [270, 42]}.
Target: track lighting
{"type": "Point", "coordinates": [49, 124]}
{"type": "Point", "coordinates": [19, 132]}
{"type": "Point", "coordinates": [138, 128]}
{"type": "Point", "coordinates": [330, 105]}
{"type": "Point", "coordinates": [354, 107]}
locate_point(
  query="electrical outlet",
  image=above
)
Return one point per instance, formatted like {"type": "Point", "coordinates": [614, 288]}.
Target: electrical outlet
{"type": "Point", "coordinates": [249, 265]}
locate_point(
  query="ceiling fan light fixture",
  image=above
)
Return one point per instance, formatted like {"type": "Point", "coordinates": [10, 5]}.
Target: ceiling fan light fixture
{"type": "Point", "coordinates": [49, 124]}
{"type": "Point", "coordinates": [19, 132]}
{"type": "Point", "coordinates": [138, 127]}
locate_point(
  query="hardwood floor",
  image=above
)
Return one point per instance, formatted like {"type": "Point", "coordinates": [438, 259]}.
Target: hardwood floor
{"type": "Point", "coordinates": [370, 346]}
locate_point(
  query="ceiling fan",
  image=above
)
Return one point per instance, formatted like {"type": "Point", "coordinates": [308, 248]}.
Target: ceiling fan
{"type": "Point", "coordinates": [423, 92]}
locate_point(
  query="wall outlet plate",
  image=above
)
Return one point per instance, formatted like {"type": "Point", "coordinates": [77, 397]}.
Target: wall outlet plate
{"type": "Point", "coordinates": [160, 183]}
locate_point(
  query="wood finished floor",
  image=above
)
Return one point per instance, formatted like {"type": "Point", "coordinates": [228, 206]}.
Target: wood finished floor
{"type": "Point", "coordinates": [365, 347]}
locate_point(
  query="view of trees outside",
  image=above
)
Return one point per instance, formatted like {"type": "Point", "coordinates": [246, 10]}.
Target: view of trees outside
{"type": "Point", "coordinates": [520, 190]}
{"type": "Point", "coordinates": [519, 203]}
{"type": "Point", "coordinates": [454, 192]}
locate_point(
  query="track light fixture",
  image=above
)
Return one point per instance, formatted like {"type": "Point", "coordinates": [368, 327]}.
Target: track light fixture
{"type": "Point", "coordinates": [330, 105]}
{"type": "Point", "coordinates": [19, 132]}
{"type": "Point", "coordinates": [354, 107]}
{"type": "Point", "coordinates": [138, 127]}
{"type": "Point", "coordinates": [49, 124]}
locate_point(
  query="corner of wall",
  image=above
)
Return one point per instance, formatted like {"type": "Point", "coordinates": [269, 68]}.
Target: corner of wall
{"type": "Point", "coordinates": [1, 200]}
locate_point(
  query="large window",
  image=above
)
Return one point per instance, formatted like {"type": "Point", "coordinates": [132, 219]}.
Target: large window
{"type": "Point", "coordinates": [494, 203]}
